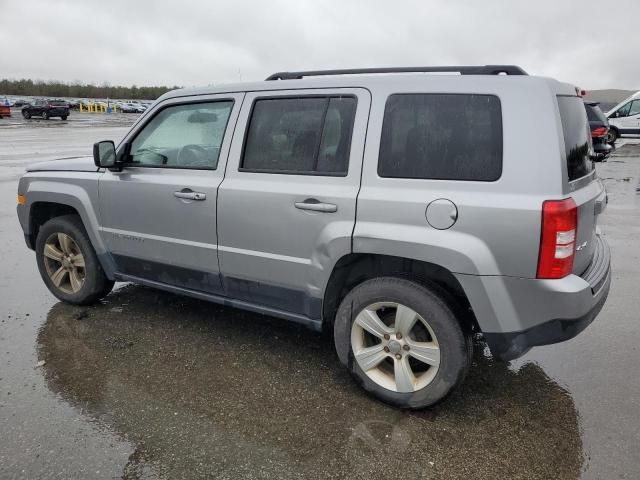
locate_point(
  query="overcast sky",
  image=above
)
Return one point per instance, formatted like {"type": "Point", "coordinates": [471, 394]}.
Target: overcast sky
{"type": "Point", "coordinates": [593, 44]}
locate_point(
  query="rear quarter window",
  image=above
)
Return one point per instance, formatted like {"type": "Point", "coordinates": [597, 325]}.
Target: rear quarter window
{"type": "Point", "coordinates": [576, 133]}
{"type": "Point", "coordinates": [442, 137]}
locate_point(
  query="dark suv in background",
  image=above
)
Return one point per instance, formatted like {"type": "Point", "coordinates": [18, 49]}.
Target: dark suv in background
{"type": "Point", "coordinates": [599, 126]}
{"type": "Point", "coordinates": [46, 109]}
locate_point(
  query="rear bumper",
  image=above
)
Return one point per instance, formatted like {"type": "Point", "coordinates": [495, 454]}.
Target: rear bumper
{"type": "Point", "coordinates": [516, 314]}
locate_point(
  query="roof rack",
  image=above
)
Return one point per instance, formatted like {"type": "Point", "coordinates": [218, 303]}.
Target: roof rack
{"type": "Point", "coordinates": [463, 70]}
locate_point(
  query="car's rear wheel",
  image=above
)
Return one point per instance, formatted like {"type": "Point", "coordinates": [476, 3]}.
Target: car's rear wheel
{"type": "Point", "coordinates": [63, 117]}
{"type": "Point", "coordinates": [612, 136]}
{"type": "Point", "coordinates": [45, 115]}
{"type": "Point", "coordinates": [68, 263]}
{"type": "Point", "coordinates": [401, 342]}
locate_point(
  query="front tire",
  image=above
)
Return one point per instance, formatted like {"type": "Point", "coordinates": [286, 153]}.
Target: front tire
{"type": "Point", "coordinates": [67, 262]}
{"type": "Point", "coordinates": [612, 136]}
{"type": "Point", "coordinates": [401, 342]}
{"type": "Point", "coordinates": [26, 115]}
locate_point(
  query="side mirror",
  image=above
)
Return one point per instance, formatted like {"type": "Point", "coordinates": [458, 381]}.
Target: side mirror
{"type": "Point", "coordinates": [104, 154]}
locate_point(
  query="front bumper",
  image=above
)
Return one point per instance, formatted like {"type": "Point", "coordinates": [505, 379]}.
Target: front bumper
{"type": "Point", "coordinates": [516, 314]}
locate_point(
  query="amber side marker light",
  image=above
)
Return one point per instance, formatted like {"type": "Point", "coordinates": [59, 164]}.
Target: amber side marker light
{"type": "Point", "coordinates": [20, 199]}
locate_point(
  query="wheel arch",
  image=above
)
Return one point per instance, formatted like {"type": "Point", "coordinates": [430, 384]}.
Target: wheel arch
{"type": "Point", "coordinates": [43, 206]}
{"type": "Point", "coordinates": [354, 268]}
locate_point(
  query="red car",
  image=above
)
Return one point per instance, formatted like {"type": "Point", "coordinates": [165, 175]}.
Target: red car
{"type": "Point", "coordinates": [5, 111]}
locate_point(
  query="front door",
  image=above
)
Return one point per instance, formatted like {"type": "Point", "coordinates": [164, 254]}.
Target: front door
{"type": "Point", "coordinates": [288, 200]}
{"type": "Point", "coordinates": [158, 215]}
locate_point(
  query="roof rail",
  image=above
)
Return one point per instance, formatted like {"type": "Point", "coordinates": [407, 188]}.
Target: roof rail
{"type": "Point", "coordinates": [463, 70]}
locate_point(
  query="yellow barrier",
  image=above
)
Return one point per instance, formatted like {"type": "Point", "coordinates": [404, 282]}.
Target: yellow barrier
{"type": "Point", "coordinates": [97, 108]}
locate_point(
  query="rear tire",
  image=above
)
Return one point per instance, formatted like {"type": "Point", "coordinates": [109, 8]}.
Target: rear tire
{"type": "Point", "coordinates": [612, 136]}
{"type": "Point", "coordinates": [45, 115]}
{"type": "Point", "coordinates": [63, 117]}
{"type": "Point", "coordinates": [409, 361]}
{"type": "Point", "coordinates": [67, 262]}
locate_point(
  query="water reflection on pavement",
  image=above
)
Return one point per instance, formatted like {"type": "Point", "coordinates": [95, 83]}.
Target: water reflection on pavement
{"type": "Point", "coordinates": [207, 390]}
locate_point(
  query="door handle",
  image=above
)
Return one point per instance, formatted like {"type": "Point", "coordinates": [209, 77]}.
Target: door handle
{"type": "Point", "coordinates": [190, 195]}
{"type": "Point", "coordinates": [315, 206]}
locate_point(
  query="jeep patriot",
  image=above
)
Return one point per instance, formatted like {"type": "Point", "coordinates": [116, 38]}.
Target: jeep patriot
{"type": "Point", "coordinates": [402, 211]}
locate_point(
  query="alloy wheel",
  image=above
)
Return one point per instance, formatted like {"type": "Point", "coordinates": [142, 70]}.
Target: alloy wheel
{"type": "Point", "coordinates": [64, 262]}
{"type": "Point", "coordinates": [395, 347]}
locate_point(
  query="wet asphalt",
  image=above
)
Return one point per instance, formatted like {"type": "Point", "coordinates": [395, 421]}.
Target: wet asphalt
{"type": "Point", "coordinates": [150, 385]}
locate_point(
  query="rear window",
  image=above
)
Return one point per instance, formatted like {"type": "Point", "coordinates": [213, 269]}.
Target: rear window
{"type": "Point", "coordinates": [594, 114]}
{"type": "Point", "coordinates": [576, 132]}
{"type": "Point", "coordinates": [442, 137]}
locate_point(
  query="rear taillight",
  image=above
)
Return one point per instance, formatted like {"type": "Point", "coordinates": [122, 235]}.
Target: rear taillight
{"type": "Point", "coordinates": [599, 132]}
{"type": "Point", "coordinates": [557, 238]}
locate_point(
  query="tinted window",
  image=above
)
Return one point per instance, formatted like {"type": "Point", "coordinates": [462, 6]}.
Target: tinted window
{"type": "Point", "coordinates": [183, 136]}
{"type": "Point", "coordinates": [300, 135]}
{"type": "Point", "coordinates": [576, 132]}
{"type": "Point", "coordinates": [442, 137]}
{"type": "Point", "coordinates": [594, 114]}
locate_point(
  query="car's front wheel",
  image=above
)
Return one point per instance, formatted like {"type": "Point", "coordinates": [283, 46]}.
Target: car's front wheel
{"type": "Point", "coordinates": [401, 342]}
{"type": "Point", "coordinates": [68, 263]}
{"type": "Point", "coordinates": [612, 136]}
{"type": "Point", "coordinates": [26, 115]}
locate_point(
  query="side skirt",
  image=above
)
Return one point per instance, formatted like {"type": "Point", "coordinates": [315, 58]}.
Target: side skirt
{"type": "Point", "coordinates": [226, 301]}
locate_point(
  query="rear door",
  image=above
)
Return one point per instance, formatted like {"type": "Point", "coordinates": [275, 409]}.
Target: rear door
{"type": "Point", "coordinates": [287, 204]}
{"type": "Point", "coordinates": [582, 182]}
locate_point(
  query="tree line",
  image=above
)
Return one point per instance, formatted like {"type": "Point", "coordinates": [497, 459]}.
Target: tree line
{"type": "Point", "coordinates": [39, 88]}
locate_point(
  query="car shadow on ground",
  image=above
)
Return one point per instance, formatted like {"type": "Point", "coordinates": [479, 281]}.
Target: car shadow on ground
{"type": "Point", "coordinates": [220, 392]}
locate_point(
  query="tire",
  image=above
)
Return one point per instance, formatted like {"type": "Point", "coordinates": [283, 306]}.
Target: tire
{"type": "Point", "coordinates": [612, 136]}
{"type": "Point", "coordinates": [45, 115]}
{"type": "Point", "coordinates": [63, 117]}
{"type": "Point", "coordinates": [427, 386]}
{"type": "Point", "coordinates": [94, 283]}
{"type": "Point", "coordinates": [26, 115]}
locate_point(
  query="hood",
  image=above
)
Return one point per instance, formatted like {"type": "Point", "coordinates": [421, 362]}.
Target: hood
{"type": "Point", "coordinates": [69, 164]}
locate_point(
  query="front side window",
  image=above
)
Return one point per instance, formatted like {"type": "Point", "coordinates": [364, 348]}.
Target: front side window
{"type": "Point", "coordinates": [441, 137]}
{"type": "Point", "coordinates": [635, 108]}
{"type": "Point", "coordinates": [183, 136]}
{"type": "Point", "coordinates": [309, 135]}
{"type": "Point", "coordinates": [623, 111]}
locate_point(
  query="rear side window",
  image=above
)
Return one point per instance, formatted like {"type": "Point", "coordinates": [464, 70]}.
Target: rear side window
{"type": "Point", "coordinates": [309, 135]}
{"type": "Point", "coordinates": [576, 132]}
{"type": "Point", "coordinates": [442, 137]}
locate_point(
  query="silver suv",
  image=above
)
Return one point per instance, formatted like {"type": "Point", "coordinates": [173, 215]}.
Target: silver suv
{"type": "Point", "coordinates": [404, 212]}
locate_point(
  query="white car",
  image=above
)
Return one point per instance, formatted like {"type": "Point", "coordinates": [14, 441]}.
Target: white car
{"type": "Point", "coordinates": [624, 118]}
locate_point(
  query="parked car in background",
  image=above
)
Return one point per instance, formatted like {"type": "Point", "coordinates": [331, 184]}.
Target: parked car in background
{"type": "Point", "coordinates": [6, 102]}
{"type": "Point", "coordinates": [73, 104]}
{"type": "Point", "coordinates": [599, 126]}
{"type": "Point", "coordinates": [5, 111]}
{"type": "Point", "coordinates": [624, 118]}
{"type": "Point", "coordinates": [20, 102]}
{"type": "Point", "coordinates": [246, 195]}
{"type": "Point", "coordinates": [46, 109]}
{"type": "Point", "coordinates": [131, 107]}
